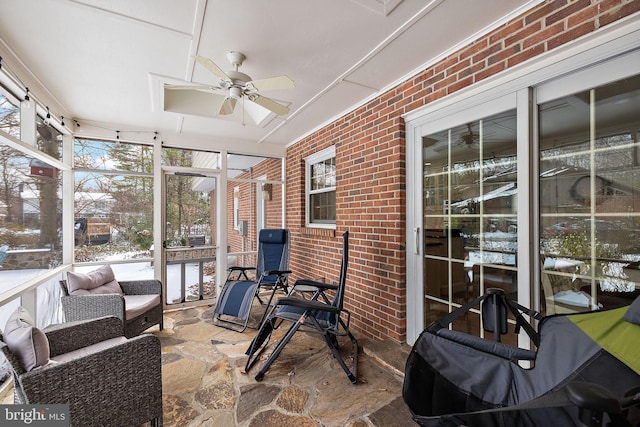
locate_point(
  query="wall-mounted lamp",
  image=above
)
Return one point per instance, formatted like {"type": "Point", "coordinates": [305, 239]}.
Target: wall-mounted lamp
{"type": "Point", "coordinates": [266, 191]}
{"type": "Point", "coordinates": [27, 99]}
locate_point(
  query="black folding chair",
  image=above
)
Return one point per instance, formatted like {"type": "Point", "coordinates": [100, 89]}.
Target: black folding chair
{"type": "Point", "coordinates": [312, 315]}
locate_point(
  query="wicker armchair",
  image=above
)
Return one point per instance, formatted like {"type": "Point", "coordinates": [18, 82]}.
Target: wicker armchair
{"type": "Point", "coordinates": [84, 307]}
{"type": "Point", "coordinates": [119, 383]}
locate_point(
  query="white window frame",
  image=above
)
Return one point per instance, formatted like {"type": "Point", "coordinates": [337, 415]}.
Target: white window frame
{"type": "Point", "coordinates": [261, 205]}
{"type": "Point", "coordinates": [236, 207]}
{"type": "Point", "coordinates": [320, 156]}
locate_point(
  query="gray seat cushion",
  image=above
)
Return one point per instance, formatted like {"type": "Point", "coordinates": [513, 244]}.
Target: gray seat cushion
{"type": "Point", "coordinates": [85, 351]}
{"type": "Point", "coordinates": [135, 305]}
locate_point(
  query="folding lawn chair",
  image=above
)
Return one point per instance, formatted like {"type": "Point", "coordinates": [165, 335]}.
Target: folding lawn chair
{"type": "Point", "coordinates": [586, 371]}
{"type": "Point", "coordinates": [313, 315]}
{"type": "Point", "coordinates": [233, 307]}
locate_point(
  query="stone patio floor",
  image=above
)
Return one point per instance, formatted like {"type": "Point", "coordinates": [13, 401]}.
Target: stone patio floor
{"type": "Point", "coordinates": [204, 383]}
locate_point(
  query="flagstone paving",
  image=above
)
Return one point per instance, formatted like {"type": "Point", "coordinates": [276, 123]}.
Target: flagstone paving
{"type": "Point", "coordinates": [204, 383]}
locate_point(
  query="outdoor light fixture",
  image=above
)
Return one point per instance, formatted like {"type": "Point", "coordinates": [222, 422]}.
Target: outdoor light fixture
{"type": "Point", "coordinates": [27, 100]}
{"type": "Point", "coordinates": [266, 191]}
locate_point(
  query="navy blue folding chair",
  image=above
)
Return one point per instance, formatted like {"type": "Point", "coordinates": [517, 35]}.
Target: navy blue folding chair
{"type": "Point", "coordinates": [233, 308]}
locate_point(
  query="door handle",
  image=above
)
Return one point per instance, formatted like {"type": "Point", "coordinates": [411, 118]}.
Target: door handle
{"type": "Point", "coordinates": [416, 232]}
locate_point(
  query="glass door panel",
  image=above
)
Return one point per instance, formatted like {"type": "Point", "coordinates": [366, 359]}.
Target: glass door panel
{"type": "Point", "coordinates": [190, 242]}
{"type": "Point", "coordinates": [590, 198]}
{"type": "Point", "coordinates": [470, 215]}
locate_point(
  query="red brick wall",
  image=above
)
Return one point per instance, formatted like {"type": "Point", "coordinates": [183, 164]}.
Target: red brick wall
{"type": "Point", "coordinates": [370, 160]}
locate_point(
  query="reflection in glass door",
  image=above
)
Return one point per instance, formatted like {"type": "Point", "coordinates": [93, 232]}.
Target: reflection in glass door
{"type": "Point", "coordinates": [590, 198]}
{"type": "Point", "coordinates": [470, 215]}
{"type": "Point", "coordinates": [189, 245]}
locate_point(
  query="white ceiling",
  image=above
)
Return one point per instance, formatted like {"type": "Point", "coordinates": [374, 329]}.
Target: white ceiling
{"type": "Point", "coordinates": [103, 62]}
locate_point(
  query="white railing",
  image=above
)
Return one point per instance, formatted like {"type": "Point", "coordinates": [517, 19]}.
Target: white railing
{"type": "Point", "coordinates": [39, 295]}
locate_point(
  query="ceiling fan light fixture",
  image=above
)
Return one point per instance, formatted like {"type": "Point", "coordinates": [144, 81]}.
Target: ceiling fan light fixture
{"type": "Point", "coordinates": [235, 92]}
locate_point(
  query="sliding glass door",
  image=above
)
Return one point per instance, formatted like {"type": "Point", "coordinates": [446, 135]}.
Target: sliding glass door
{"type": "Point", "coordinates": [536, 192]}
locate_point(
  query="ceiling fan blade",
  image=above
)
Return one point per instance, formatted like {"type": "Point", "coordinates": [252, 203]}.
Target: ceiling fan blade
{"type": "Point", "coordinates": [211, 66]}
{"type": "Point", "coordinates": [190, 87]}
{"type": "Point", "coordinates": [271, 83]}
{"type": "Point", "coordinates": [204, 103]}
{"type": "Point", "coordinates": [270, 104]}
{"type": "Point", "coordinates": [227, 106]}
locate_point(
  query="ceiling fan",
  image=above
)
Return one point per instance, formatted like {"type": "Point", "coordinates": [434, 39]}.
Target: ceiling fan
{"type": "Point", "coordinates": [466, 139]}
{"type": "Point", "coordinates": [469, 138]}
{"type": "Point", "coordinates": [233, 86]}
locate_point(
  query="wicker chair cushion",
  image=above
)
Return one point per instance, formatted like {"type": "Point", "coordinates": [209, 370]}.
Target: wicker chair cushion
{"type": "Point", "coordinates": [100, 281]}
{"type": "Point", "coordinates": [135, 305]}
{"type": "Point", "coordinates": [28, 343]}
{"type": "Point", "coordinates": [90, 349]}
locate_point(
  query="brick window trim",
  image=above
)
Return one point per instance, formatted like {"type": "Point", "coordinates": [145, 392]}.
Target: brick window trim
{"type": "Point", "coordinates": [316, 231]}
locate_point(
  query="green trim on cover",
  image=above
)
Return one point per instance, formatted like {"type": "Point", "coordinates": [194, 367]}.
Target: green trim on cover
{"type": "Point", "coordinates": [609, 331]}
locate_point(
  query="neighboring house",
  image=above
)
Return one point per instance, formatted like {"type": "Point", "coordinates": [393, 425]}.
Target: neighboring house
{"type": "Point", "coordinates": [89, 204]}
{"type": "Point", "coordinates": [30, 200]}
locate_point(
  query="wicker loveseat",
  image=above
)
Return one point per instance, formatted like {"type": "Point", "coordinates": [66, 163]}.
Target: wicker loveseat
{"type": "Point", "coordinates": [138, 303]}
{"type": "Point", "coordinates": [105, 378]}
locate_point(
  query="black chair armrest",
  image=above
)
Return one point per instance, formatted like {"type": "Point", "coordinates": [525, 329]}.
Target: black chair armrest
{"type": "Point", "coordinates": [320, 285]}
{"type": "Point", "coordinates": [237, 268]}
{"type": "Point", "coordinates": [66, 337]}
{"type": "Point", "coordinates": [276, 272]}
{"type": "Point", "coordinates": [141, 287]}
{"type": "Point", "coordinates": [307, 304]}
